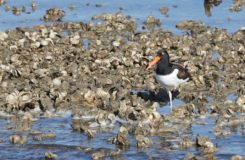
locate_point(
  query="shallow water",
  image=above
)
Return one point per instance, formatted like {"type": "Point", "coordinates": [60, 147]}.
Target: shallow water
{"type": "Point", "coordinates": [71, 145]}
{"type": "Point", "coordinates": [178, 11]}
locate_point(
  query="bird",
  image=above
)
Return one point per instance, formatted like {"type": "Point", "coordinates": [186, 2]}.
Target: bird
{"type": "Point", "coordinates": [168, 74]}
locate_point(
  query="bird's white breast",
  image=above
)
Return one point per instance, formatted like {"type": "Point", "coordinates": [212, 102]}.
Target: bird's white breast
{"type": "Point", "coordinates": [170, 81]}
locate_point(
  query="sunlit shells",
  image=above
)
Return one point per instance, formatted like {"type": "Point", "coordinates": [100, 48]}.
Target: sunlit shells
{"type": "Point", "coordinates": [98, 155]}
{"type": "Point", "coordinates": [18, 99]}
{"type": "Point", "coordinates": [121, 140]}
{"type": "Point", "coordinates": [57, 82]}
{"type": "Point", "coordinates": [241, 101]}
{"type": "Point", "coordinates": [2, 2]}
{"type": "Point", "coordinates": [44, 42]}
{"type": "Point", "coordinates": [97, 71]}
{"type": "Point", "coordinates": [206, 145]}
{"type": "Point", "coordinates": [54, 14]}
{"type": "Point", "coordinates": [16, 139]}
{"type": "Point", "coordinates": [33, 6]}
{"type": "Point", "coordinates": [164, 10]}
{"type": "Point", "coordinates": [186, 143]}
{"type": "Point", "coordinates": [16, 11]}
{"type": "Point", "coordinates": [52, 34]}
{"type": "Point", "coordinates": [237, 157]}
{"type": "Point", "coordinates": [103, 94]}
{"type": "Point", "coordinates": [143, 142]}
{"type": "Point", "coordinates": [189, 25]}
{"type": "Point", "coordinates": [7, 8]}
{"type": "Point", "coordinates": [75, 39]}
{"type": "Point", "coordinates": [49, 156]}
{"type": "Point", "coordinates": [3, 36]}
{"type": "Point", "coordinates": [90, 96]}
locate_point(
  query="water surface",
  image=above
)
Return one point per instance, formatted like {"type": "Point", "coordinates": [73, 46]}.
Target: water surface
{"type": "Point", "coordinates": [139, 10]}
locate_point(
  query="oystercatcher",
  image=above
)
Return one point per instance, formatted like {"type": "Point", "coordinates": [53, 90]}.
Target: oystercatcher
{"type": "Point", "coordinates": [168, 74]}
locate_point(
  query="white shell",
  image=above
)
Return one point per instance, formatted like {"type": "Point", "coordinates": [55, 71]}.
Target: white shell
{"type": "Point", "coordinates": [3, 36]}
{"type": "Point", "coordinates": [44, 43]}
{"type": "Point", "coordinates": [52, 34]}
{"type": "Point", "coordinates": [75, 39]}
{"type": "Point", "coordinates": [116, 43]}
{"type": "Point", "coordinates": [57, 82]}
{"type": "Point", "coordinates": [35, 45]}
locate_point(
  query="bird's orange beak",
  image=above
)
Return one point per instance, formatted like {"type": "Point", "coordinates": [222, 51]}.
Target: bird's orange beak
{"type": "Point", "coordinates": [155, 61]}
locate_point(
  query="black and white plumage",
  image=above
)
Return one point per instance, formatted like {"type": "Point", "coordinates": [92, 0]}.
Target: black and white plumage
{"type": "Point", "coordinates": [169, 75]}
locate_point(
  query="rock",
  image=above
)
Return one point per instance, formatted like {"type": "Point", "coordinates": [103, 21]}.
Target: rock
{"type": "Point", "coordinates": [164, 11]}
{"type": "Point", "coordinates": [33, 6]}
{"type": "Point", "coordinates": [35, 45]}
{"type": "Point", "coordinates": [237, 6]}
{"type": "Point", "coordinates": [143, 142]}
{"type": "Point", "coordinates": [16, 11]}
{"type": "Point", "coordinates": [190, 157]}
{"type": "Point", "coordinates": [121, 140]}
{"type": "Point", "coordinates": [2, 2]}
{"type": "Point", "coordinates": [3, 36]}
{"type": "Point", "coordinates": [57, 82]}
{"type": "Point", "coordinates": [116, 43]}
{"type": "Point", "coordinates": [190, 25]}
{"type": "Point", "coordinates": [50, 156]}
{"type": "Point", "coordinates": [237, 157]}
{"type": "Point", "coordinates": [54, 14]}
{"type": "Point", "coordinates": [102, 93]}
{"type": "Point", "coordinates": [90, 96]}
{"type": "Point", "coordinates": [241, 101]}
{"type": "Point", "coordinates": [44, 136]}
{"type": "Point", "coordinates": [206, 145]}
{"type": "Point", "coordinates": [15, 139]}
{"type": "Point", "coordinates": [186, 143]}
{"type": "Point", "coordinates": [19, 100]}
{"type": "Point", "coordinates": [72, 7]}
{"type": "Point", "coordinates": [7, 8]}
{"type": "Point", "coordinates": [98, 155]}
{"type": "Point", "coordinates": [75, 40]}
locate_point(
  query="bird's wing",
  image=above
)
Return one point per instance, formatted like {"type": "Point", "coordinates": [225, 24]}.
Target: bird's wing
{"type": "Point", "coordinates": [183, 72]}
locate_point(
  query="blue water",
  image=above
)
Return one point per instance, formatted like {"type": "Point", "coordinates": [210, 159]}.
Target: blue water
{"type": "Point", "coordinates": [180, 10]}
{"type": "Point", "coordinates": [71, 145]}
{"type": "Point", "coordinates": [166, 110]}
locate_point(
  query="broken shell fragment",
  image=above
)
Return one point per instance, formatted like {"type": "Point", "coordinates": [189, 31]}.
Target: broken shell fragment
{"type": "Point", "coordinates": [50, 156]}
{"type": "Point", "coordinates": [15, 139]}
{"type": "Point", "coordinates": [206, 145]}
{"type": "Point", "coordinates": [121, 139]}
{"type": "Point", "coordinates": [143, 142]}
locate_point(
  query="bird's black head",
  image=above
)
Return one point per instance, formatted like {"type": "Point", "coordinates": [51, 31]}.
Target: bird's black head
{"type": "Point", "coordinates": [163, 54]}
{"type": "Point", "coordinates": [162, 59]}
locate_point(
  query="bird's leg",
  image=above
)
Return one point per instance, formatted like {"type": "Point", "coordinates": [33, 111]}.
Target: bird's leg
{"type": "Point", "coordinates": [170, 99]}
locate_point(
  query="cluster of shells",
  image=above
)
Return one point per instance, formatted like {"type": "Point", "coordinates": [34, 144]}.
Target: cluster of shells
{"type": "Point", "coordinates": [16, 10]}
{"type": "Point", "coordinates": [54, 14]}
{"type": "Point", "coordinates": [92, 68]}
{"type": "Point", "coordinates": [236, 6]}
